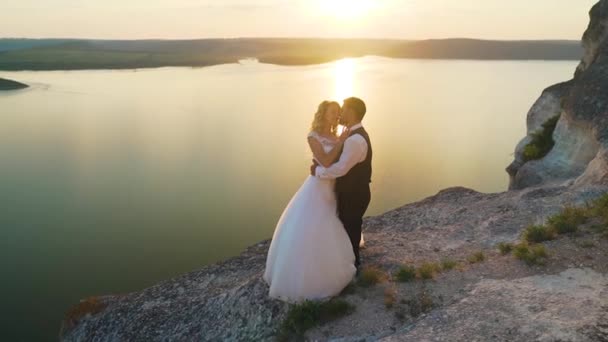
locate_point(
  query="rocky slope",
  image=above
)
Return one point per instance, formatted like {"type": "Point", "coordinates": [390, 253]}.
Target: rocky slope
{"type": "Point", "coordinates": [499, 299]}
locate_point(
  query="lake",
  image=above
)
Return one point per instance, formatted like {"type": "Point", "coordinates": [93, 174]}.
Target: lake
{"type": "Point", "coordinates": [114, 180]}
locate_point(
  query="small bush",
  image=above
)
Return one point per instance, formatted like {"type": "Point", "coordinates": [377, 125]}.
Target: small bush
{"type": "Point", "coordinates": [542, 141]}
{"type": "Point", "coordinates": [599, 228]}
{"type": "Point", "coordinates": [426, 302]}
{"type": "Point", "coordinates": [370, 276]}
{"type": "Point", "coordinates": [448, 264]}
{"type": "Point", "coordinates": [476, 257]}
{"type": "Point", "coordinates": [568, 220]}
{"type": "Point", "coordinates": [88, 306]}
{"type": "Point", "coordinates": [405, 274]}
{"type": "Point", "coordinates": [400, 315]}
{"type": "Point", "coordinates": [505, 248]}
{"type": "Point", "coordinates": [428, 270]}
{"type": "Point", "coordinates": [390, 297]}
{"type": "Point", "coordinates": [309, 314]}
{"type": "Point", "coordinates": [420, 304]}
{"type": "Point", "coordinates": [601, 202]}
{"type": "Point", "coordinates": [539, 251]}
{"type": "Point", "coordinates": [538, 233]}
{"type": "Point", "coordinates": [599, 208]}
{"type": "Point", "coordinates": [587, 244]}
{"type": "Point", "coordinates": [349, 289]}
{"type": "Point", "coordinates": [531, 255]}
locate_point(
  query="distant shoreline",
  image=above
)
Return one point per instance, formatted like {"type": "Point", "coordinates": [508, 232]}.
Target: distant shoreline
{"type": "Point", "coordinates": [57, 54]}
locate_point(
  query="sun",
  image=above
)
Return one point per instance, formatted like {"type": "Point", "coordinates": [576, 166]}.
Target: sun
{"type": "Point", "coordinates": [345, 9]}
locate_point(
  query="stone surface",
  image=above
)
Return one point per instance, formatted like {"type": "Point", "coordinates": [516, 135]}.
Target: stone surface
{"type": "Point", "coordinates": [561, 307]}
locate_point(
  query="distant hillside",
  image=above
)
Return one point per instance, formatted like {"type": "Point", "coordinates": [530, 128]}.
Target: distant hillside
{"type": "Point", "coordinates": [8, 44]}
{"type": "Point", "coordinates": [49, 54]}
{"type": "Point", "coordinates": [11, 85]}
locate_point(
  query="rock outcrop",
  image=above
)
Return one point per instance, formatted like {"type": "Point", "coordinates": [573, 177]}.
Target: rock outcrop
{"type": "Point", "coordinates": [581, 135]}
{"type": "Point", "coordinates": [11, 85]}
{"type": "Point", "coordinates": [500, 299]}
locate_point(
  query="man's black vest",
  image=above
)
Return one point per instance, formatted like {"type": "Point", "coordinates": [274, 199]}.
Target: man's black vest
{"type": "Point", "coordinates": [359, 177]}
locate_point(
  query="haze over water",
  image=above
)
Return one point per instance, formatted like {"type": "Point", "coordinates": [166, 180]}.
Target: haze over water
{"type": "Point", "coordinates": [114, 180]}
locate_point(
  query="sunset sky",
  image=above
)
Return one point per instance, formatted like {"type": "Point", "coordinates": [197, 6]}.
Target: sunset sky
{"type": "Point", "coordinates": [401, 19]}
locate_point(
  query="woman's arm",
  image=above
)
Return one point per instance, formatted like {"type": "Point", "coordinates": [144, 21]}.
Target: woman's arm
{"type": "Point", "coordinates": [325, 159]}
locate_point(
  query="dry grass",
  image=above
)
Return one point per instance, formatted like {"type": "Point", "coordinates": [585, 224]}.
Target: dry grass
{"type": "Point", "coordinates": [370, 276]}
{"type": "Point", "coordinates": [538, 233]}
{"type": "Point", "coordinates": [390, 296]}
{"type": "Point", "coordinates": [428, 270]}
{"type": "Point", "coordinates": [307, 315]}
{"type": "Point", "coordinates": [448, 264]}
{"type": "Point", "coordinates": [531, 255]}
{"type": "Point", "coordinates": [476, 257]}
{"type": "Point", "coordinates": [405, 274]}
{"type": "Point", "coordinates": [505, 248]}
{"type": "Point", "coordinates": [87, 306]}
{"type": "Point", "coordinates": [568, 220]}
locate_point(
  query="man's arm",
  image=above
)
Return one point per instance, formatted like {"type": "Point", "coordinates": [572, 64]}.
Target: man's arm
{"type": "Point", "coordinates": [355, 150]}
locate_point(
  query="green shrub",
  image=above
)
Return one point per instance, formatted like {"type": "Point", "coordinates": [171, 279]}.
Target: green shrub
{"type": "Point", "coordinates": [568, 220]}
{"type": "Point", "coordinates": [599, 208]}
{"type": "Point", "coordinates": [539, 251]}
{"type": "Point", "coordinates": [309, 314]}
{"type": "Point", "coordinates": [419, 304]}
{"type": "Point", "coordinates": [542, 141]}
{"type": "Point", "coordinates": [586, 244]}
{"type": "Point", "coordinates": [406, 273]}
{"type": "Point", "coordinates": [349, 289]}
{"type": "Point", "coordinates": [531, 255]}
{"type": "Point", "coordinates": [428, 270]}
{"type": "Point", "coordinates": [538, 233]}
{"type": "Point", "coordinates": [448, 264]}
{"type": "Point", "coordinates": [505, 248]}
{"type": "Point", "coordinates": [476, 257]}
{"type": "Point", "coordinates": [370, 276]}
{"type": "Point", "coordinates": [599, 228]}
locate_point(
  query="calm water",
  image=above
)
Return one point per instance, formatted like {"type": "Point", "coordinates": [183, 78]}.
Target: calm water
{"type": "Point", "coordinates": [113, 180]}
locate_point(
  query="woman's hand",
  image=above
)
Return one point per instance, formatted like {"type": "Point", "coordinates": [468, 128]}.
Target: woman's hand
{"type": "Point", "coordinates": [345, 133]}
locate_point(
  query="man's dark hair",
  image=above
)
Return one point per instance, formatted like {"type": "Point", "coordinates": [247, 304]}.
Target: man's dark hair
{"type": "Point", "coordinates": [357, 105]}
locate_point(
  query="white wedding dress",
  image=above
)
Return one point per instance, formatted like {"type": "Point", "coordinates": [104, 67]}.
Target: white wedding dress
{"type": "Point", "coordinates": [310, 256]}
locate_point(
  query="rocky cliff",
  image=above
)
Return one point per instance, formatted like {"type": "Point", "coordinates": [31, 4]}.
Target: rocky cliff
{"type": "Point", "coordinates": [581, 134]}
{"type": "Point", "coordinates": [475, 294]}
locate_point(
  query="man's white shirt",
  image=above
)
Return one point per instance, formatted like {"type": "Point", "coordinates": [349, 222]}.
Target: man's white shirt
{"type": "Point", "coordinates": [353, 152]}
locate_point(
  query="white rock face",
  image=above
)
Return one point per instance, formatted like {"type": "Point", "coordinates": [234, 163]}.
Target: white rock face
{"type": "Point", "coordinates": [562, 307]}
{"type": "Point", "coordinates": [581, 134]}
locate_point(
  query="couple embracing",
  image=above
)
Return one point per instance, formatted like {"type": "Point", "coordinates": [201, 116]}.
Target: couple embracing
{"type": "Point", "coordinates": [314, 251]}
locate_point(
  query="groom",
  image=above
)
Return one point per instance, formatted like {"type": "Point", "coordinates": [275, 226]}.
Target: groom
{"type": "Point", "coordinates": [353, 172]}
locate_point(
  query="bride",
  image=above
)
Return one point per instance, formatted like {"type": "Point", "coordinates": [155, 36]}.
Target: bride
{"type": "Point", "coordinates": [311, 256]}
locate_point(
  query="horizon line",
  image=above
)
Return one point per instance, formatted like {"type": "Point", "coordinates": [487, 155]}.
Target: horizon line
{"type": "Point", "coordinates": [296, 38]}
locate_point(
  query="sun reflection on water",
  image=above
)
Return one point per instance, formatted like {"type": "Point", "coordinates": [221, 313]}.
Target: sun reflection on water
{"type": "Point", "coordinates": [345, 75]}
